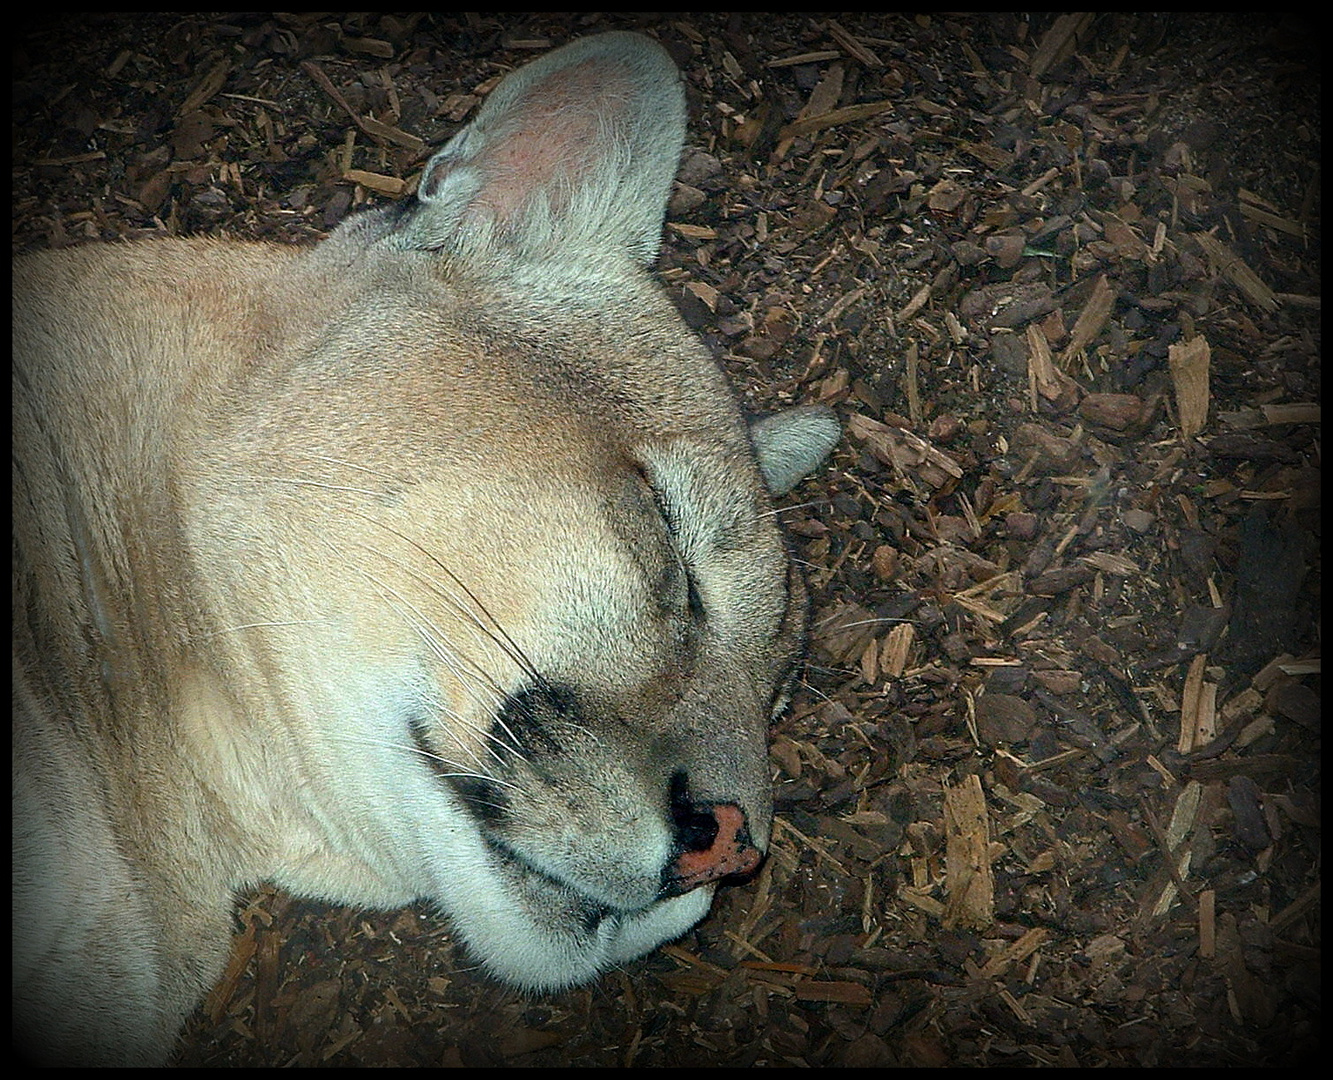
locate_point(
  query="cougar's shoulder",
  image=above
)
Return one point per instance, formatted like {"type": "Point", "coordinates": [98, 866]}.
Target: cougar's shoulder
{"type": "Point", "coordinates": [434, 561]}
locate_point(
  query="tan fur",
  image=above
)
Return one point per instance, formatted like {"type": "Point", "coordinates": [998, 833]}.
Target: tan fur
{"type": "Point", "coordinates": [433, 561]}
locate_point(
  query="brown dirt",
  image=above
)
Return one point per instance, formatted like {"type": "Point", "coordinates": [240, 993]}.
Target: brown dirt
{"type": "Point", "coordinates": [1051, 793]}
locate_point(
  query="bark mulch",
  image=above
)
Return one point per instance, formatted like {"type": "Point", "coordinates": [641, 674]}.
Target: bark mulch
{"type": "Point", "coordinates": [1050, 794]}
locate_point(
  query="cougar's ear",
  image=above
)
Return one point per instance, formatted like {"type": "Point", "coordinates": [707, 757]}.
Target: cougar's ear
{"type": "Point", "coordinates": [569, 160]}
{"type": "Point", "coordinates": [791, 444]}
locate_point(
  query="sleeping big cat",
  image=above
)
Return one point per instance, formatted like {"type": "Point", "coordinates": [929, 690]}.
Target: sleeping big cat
{"type": "Point", "coordinates": [435, 561]}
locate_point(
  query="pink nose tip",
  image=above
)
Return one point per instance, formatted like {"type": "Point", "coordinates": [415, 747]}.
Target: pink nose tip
{"type": "Point", "coordinates": [730, 852]}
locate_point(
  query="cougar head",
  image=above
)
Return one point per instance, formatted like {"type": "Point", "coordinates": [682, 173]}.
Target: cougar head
{"type": "Point", "coordinates": [435, 561]}
{"type": "Point", "coordinates": [552, 594]}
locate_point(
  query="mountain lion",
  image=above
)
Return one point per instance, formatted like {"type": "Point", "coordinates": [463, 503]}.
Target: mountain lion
{"type": "Point", "coordinates": [433, 561]}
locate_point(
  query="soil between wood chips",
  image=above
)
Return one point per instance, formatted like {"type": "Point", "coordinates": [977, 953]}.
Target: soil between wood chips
{"type": "Point", "coordinates": [1050, 792]}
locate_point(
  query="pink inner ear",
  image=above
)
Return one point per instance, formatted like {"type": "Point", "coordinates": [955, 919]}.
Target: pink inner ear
{"type": "Point", "coordinates": [551, 138]}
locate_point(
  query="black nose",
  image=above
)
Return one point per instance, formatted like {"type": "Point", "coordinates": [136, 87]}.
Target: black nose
{"type": "Point", "coordinates": [712, 842]}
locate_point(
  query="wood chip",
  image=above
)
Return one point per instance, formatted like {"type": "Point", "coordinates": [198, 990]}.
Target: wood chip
{"type": "Point", "coordinates": [1237, 271]}
{"type": "Point", "coordinates": [971, 887]}
{"type": "Point", "coordinates": [1189, 362]}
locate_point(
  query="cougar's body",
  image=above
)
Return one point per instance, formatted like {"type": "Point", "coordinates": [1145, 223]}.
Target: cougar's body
{"type": "Point", "coordinates": [433, 561]}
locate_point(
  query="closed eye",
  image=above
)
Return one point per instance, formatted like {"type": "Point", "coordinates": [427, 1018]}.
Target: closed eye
{"type": "Point", "coordinates": [670, 579]}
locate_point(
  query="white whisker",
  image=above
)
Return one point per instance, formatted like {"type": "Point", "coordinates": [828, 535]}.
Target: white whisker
{"type": "Point", "coordinates": [457, 769]}
{"type": "Point", "coordinates": [466, 673]}
{"type": "Point", "coordinates": [879, 621]}
{"type": "Point", "coordinates": [776, 510]}
{"type": "Point", "coordinates": [469, 610]}
{"type": "Point", "coordinates": [263, 624]}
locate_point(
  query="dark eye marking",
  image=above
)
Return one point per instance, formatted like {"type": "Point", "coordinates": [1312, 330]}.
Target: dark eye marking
{"type": "Point", "coordinates": [535, 716]}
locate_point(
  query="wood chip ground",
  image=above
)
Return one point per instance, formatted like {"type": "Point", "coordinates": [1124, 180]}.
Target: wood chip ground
{"type": "Point", "coordinates": [1050, 794]}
